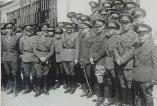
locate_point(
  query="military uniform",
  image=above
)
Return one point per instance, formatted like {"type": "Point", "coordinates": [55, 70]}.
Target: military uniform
{"type": "Point", "coordinates": [83, 49]}
{"type": "Point", "coordinates": [68, 56]}
{"type": "Point", "coordinates": [43, 50]}
{"type": "Point", "coordinates": [10, 55]}
{"type": "Point", "coordinates": [145, 66]}
{"type": "Point", "coordinates": [27, 57]}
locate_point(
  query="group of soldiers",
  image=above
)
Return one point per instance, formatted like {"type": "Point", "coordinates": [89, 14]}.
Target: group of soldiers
{"type": "Point", "coordinates": [110, 53]}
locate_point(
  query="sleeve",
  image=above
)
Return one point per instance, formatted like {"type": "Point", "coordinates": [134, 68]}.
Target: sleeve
{"type": "Point", "coordinates": [51, 50]}
{"type": "Point", "coordinates": [154, 58]}
{"type": "Point", "coordinates": [77, 44]}
{"type": "Point", "coordinates": [127, 56]}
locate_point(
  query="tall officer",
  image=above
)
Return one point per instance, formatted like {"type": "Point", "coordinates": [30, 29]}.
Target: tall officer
{"type": "Point", "coordinates": [145, 65]}
{"type": "Point", "coordinates": [27, 56]}
{"type": "Point", "coordinates": [83, 48]}
{"type": "Point", "coordinates": [10, 55]}
{"type": "Point", "coordinates": [97, 56]}
{"type": "Point", "coordinates": [68, 56]}
{"type": "Point", "coordinates": [43, 50]}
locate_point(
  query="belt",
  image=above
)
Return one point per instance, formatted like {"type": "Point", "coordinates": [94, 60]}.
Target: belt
{"type": "Point", "coordinates": [43, 50]}
{"type": "Point", "coordinates": [28, 51]}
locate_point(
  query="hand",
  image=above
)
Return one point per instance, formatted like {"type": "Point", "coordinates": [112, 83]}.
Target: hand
{"type": "Point", "coordinates": [20, 56]}
{"type": "Point", "coordinates": [118, 62]}
{"type": "Point", "coordinates": [91, 60]}
{"type": "Point", "coordinates": [76, 61]}
{"type": "Point", "coordinates": [43, 59]}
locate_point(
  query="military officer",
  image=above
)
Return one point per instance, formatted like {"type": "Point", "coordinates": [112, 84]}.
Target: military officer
{"type": "Point", "coordinates": [118, 5]}
{"type": "Point", "coordinates": [139, 14]}
{"type": "Point", "coordinates": [71, 16]}
{"type": "Point", "coordinates": [68, 56]}
{"type": "Point", "coordinates": [126, 39]}
{"type": "Point", "coordinates": [129, 6]}
{"type": "Point", "coordinates": [58, 47]}
{"type": "Point", "coordinates": [97, 56]}
{"type": "Point", "coordinates": [83, 48]}
{"type": "Point", "coordinates": [94, 8]}
{"type": "Point", "coordinates": [27, 56]}
{"type": "Point", "coordinates": [43, 50]}
{"type": "Point", "coordinates": [78, 16]}
{"type": "Point", "coordinates": [145, 67]}
{"type": "Point", "coordinates": [10, 55]}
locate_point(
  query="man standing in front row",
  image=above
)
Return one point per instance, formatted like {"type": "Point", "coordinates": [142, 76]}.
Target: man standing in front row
{"type": "Point", "coordinates": [144, 53]}
{"type": "Point", "coordinates": [43, 50]}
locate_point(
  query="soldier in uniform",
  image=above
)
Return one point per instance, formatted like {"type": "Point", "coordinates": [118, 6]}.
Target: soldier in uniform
{"type": "Point", "coordinates": [71, 16]}
{"type": "Point", "coordinates": [68, 57]}
{"type": "Point", "coordinates": [129, 6]}
{"type": "Point", "coordinates": [51, 31]}
{"type": "Point", "coordinates": [145, 65]}
{"type": "Point", "coordinates": [43, 50]}
{"type": "Point", "coordinates": [27, 57]}
{"type": "Point", "coordinates": [139, 14]}
{"type": "Point", "coordinates": [58, 47]}
{"type": "Point", "coordinates": [97, 56]}
{"type": "Point", "coordinates": [10, 55]}
{"type": "Point", "coordinates": [126, 39]}
{"type": "Point", "coordinates": [83, 48]}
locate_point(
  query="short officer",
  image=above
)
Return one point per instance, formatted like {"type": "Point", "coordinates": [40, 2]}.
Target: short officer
{"type": "Point", "coordinates": [43, 50]}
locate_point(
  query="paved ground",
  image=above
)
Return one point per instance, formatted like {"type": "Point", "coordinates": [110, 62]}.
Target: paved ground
{"type": "Point", "coordinates": [56, 98]}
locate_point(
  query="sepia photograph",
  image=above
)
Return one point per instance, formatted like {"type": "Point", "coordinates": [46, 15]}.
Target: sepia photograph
{"type": "Point", "coordinates": [78, 52]}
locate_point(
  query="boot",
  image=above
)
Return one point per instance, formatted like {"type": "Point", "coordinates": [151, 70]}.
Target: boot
{"type": "Point", "coordinates": [10, 84]}
{"type": "Point", "coordinates": [68, 89]}
{"type": "Point", "coordinates": [34, 85]}
{"type": "Point", "coordinates": [38, 90]}
{"type": "Point", "coordinates": [100, 92]}
{"type": "Point", "coordinates": [73, 86]}
{"type": "Point", "coordinates": [15, 87]}
{"type": "Point", "coordinates": [85, 91]}
{"type": "Point", "coordinates": [27, 85]}
{"type": "Point", "coordinates": [57, 85]}
{"type": "Point", "coordinates": [100, 101]}
{"type": "Point", "coordinates": [45, 89]}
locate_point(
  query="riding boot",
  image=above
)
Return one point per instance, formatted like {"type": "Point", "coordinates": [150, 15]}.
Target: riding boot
{"type": "Point", "coordinates": [85, 91]}
{"type": "Point", "coordinates": [15, 86]}
{"type": "Point", "coordinates": [27, 85]}
{"type": "Point", "coordinates": [38, 90]}
{"type": "Point", "coordinates": [45, 88]}
{"type": "Point", "coordinates": [34, 83]}
{"type": "Point", "coordinates": [100, 94]}
{"type": "Point", "coordinates": [57, 82]}
{"type": "Point", "coordinates": [73, 86]}
{"type": "Point", "coordinates": [10, 84]}
{"type": "Point", "coordinates": [68, 89]}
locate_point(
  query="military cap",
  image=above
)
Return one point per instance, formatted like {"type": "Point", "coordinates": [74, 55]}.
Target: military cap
{"type": "Point", "coordinates": [58, 30]}
{"type": "Point", "coordinates": [99, 22]}
{"type": "Point", "coordinates": [68, 25]}
{"type": "Point", "coordinates": [93, 4]}
{"type": "Point", "coordinates": [138, 12]}
{"type": "Point", "coordinates": [126, 18]}
{"type": "Point", "coordinates": [85, 18]}
{"type": "Point", "coordinates": [28, 28]}
{"type": "Point", "coordinates": [107, 5]}
{"type": "Point", "coordinates": [51, 29]}
{"type": "Point", "coordinates": [61, 24]}
{"type": "Point", "coordinates": [9, 25]}
{"type": "Point", "coordinates": [143, 28]}
{"type": "Point", "coordinates": [102, 11]}
{"type": "Point", "coordinates": [84, 25]}
{"type": "Point", "coordinates": [71, 14]}
{"type": "Point", "coordinates": [130, 4]}
{"type": "Point", "coordinates": [18, 29]}
{"type": "Point", "coordinates": [112, 24]}
{"type": "Point", "coordinates": [114, 14]}
{"type": "Point", "coordinates": [115, 2]}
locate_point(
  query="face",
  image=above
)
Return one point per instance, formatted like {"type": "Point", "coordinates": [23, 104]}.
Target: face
{"type": "Point", "coordinates": [85, 30]}
{"type": "Point", "coordinates": [19, 34]}
{"type": "Point", "coordinates": [9, 31]}
{"type": "Point", "coordinates": [58, 36]}
{"type": "Point", "coordinates": [73, 19]}
{"type": "Point", "coordinates": [100, 28]}
{"type": "Point", "coordinates": [118, 6]}
{"type": "Point", "coordinates": [144, 36]}
{"type": "Point", "coordinates": [110, 32]}
{"type": "Point", "coordinates": [28, 32]}
{"type": "Point", "coordinates": [126, 26]}
{"type": "Point", "coordinates": [139, 19]}
{"type": "Point", "coordinates": [69, 30]}
{"type": "Point", "coordinates": [51, 33]}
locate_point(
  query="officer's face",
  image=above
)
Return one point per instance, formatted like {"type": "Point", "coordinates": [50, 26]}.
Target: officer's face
{"type": "Point", "coordinates": [28, 32]}
{"type": "Point", "coordinates": [9, 31]}
{"type": "Point", "coordinates": [69, 30]}
{"type": "Point", "coordinates": [73, 19]}
{"type": "Point", "coordinates": [45, 32]}
{"type": "Point", "coordinates": [126, 26]}
{"type": "Point", "coordinates": [19, 34]}
{"type": "Point", "coordinates": [118, 6]}
{"type": "Point", "coordinates": [110, 32]}
{"type": "Point", "coordinates": [58, 36]}
{"type": "Point", "coordinates": [51, 33]}
{"type": "Point", "coordinates": [100, 28]}
{"type": "Point", "coordinates": [144, 36]}
{"type": "Point", "coordinates": [139, 19]}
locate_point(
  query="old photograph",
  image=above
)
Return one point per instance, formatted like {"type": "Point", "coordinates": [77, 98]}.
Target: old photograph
{"type": "Point", "coordinates": [78, 52]}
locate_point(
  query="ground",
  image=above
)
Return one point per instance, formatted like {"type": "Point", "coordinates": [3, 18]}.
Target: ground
{"type": "Point", "coordinates": [56, 98]}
